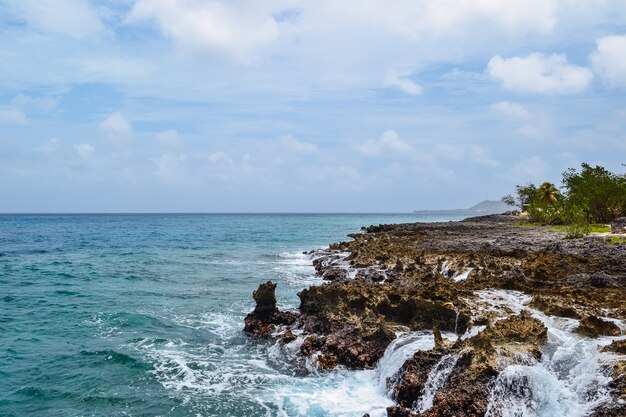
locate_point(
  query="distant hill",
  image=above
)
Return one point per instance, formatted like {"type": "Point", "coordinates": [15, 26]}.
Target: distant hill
{"type": "Point", "coordinates": [484, 207]}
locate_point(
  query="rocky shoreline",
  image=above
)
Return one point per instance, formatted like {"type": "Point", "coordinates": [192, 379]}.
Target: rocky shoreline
{"type": "Point", "coordinates": [501, 290]}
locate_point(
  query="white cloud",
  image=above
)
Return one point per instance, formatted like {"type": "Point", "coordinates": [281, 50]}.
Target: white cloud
{"type": "Point", "coordinates": [473, 153]}
{"type": "Point", "coordinates": [84, 150]}
{"type": "Point", "coordinates": [169, 139]}
{"type": "Point", "coordinates": [116, 129]}
{"type": "Point", "coordinates": [49, 147]}
{"type": "Point", "coordinates": [609, 59]}
{"type": "Point", "coordinates": [510, 110]}
{"type": "Point", "coordinates": [294, 145]}
{"type": "Point", "coordinates": [530, 125]}
{"type": "Point", "coordinates": [389, 142]}
{"type": "Point", "coordinates": [235, 28]}
{"type": "Point", "coordinates": [35, 103]}
{"type": "Point", "coordinates": [539, 73]}
{"type": "Point", "coordinates": [403, 83]}
{"type": "Point", "coordinates": [450, 152]}
{"type": "Point", "coordinates": [525, 15]}
{"type": "Point", "coordinates": [480, 156]}
{"type": "Point", "coordinates": [220, 156]}
{"type": "Point", "coordinates": [170, 168]}
{"type": "Point", "coordinates": [13, 116]}
{"type": "Point", "coordinates": [128, 69]}
{"type": "Point", "coordinates": [75, 18]}
{"type": "Point", "coordinates": [436, 17]}
{"type": "Point", "coordinates": [531, 169]}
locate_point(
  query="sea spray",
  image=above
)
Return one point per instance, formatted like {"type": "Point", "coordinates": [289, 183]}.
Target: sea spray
{"type": "Point", "coordinates": [397, 353]}
{"type": "Point", "coordinates": [437, 378]}
{"type": "Point", "coordinates": [568, 381]}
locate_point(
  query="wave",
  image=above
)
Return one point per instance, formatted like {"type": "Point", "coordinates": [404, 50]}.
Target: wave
{"type": "Point", "coordinates": [114, 357]}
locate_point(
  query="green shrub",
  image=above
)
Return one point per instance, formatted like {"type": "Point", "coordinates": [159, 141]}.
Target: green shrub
{"type": "Point", "coordinates": [577, 230]}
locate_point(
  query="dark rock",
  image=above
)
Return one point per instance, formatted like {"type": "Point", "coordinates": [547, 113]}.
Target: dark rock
{"type": "Point", "coordinates": [399, 412]}
{"type": "Point", "coordinates": [327, 361]}
{"type": "Point", "coordinates": [265, 297]}
{"type": "Point", "coordinates": [593, 326]}
{"type": "Point", "coordinates": [288, 336]}
{"type": "Point", "coordinates": [554, 306]}
{"type": "Point", "coordinates": [413, 377]}
{"type": "Point", "coordinates": [438, 338]}
{"type": "Point", "coordinates": [618, 346]}
{"type": "Point", "coordinates": [311, 344]}
{"type": "Point", "coordinates": [335, 274]}
{"type": "Point", "coordinates": [618, 225]}
{"type": "Point", "coordinates": [265, 316]}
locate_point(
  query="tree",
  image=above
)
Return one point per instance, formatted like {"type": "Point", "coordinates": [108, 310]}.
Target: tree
{"type": "Point", "coordinates": [549, 195]}
{"type": "Point", "coordinates": [525, 197]}
{"type": "Point", "coordinates": [599, 193]}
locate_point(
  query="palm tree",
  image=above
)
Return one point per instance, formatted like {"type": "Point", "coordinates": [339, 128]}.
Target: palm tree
{"type": "Point", "coordinates": [549, 194]}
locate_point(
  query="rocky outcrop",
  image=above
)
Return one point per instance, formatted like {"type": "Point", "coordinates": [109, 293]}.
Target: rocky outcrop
{"type": "Point", "coordinates": [353, 321]}
{"type": "Point", "coordinates": [431, 276]}
{"type": "Point", "coordinates": [265, 317]}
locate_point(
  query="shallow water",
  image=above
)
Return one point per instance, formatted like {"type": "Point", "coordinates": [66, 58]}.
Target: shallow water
{"type": "Point", "coordinates": [141, 315]}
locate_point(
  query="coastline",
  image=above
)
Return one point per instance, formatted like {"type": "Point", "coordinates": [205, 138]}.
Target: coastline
{"type": "Point", "coordinates": [504, 289]}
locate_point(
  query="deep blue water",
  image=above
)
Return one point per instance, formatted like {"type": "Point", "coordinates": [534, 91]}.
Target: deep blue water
{"type": "Point", "coordinates": [141, 315]}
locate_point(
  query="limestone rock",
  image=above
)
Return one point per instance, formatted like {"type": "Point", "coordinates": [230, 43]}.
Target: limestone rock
{"type": "Point", "coordinates": [593, 326]}
{"type": "Point", "coordinates": [265, 316]}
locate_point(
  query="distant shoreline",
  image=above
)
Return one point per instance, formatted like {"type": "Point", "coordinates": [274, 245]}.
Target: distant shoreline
{"type": "Point", "coordinates": [456, 211]}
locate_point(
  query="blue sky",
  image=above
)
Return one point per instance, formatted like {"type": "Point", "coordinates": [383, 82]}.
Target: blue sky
{"type": "Point", "coordinates": [284, 105]}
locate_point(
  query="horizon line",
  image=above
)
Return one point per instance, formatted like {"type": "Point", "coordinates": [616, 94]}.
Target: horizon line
{"type": "Point", "coordinates": [209, 213]}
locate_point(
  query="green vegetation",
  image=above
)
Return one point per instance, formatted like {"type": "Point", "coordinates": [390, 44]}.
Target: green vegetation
{"type": "Point", "coordinates": [593, 228]}
{"type": "Point", "coordinates": [586, 202]}
{"type": "Point", "coordinates": [600, 228]}
{"type": "Point", "coordinates": [615, 240]}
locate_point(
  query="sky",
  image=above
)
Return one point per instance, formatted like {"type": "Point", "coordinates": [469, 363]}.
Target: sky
{"type": "Point", "coordinates": [303, 106]}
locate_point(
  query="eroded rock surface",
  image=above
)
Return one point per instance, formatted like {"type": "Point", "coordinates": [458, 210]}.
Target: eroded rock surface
{"type": "Point", "coordinates": [429, 276]}
{"type": "Point", "coordinates": [265, 317]}
{"type": "Point", "coordinates": [478, 361]}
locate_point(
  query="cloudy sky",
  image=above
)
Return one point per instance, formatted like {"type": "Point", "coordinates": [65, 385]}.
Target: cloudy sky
{"type": "Point", "coordinates": [285, 105]}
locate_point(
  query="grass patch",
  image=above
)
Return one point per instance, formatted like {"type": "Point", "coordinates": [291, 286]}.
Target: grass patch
{"type": "Point", "coordinates": [558, 228]}
{"type": "Point", "coordinates": [527, 224]}
{"type": "Point", "coordinates": [615, 240]}
{"type": "Point", "coordinates": [600, 228]}
{"type": "Point", "coordinates": [593, 228]}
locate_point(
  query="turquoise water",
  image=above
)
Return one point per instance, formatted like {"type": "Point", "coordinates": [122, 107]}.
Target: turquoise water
{"type": "Point", "coordinates": [141, 315]}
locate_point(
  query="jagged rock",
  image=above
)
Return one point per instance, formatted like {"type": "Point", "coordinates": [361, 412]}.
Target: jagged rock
{"type": "Point", "coordinates": [618, 346]}
{"type": "Point", "coordinates": [398, 287]}
{"type": "Point", "coordinates": [479, 360]}
{"type": "Point", "coordinates": [618, 225]}
{"type": "Point", "coordinates": [327, 362]}
{"type": "Point", "coordinates": [399, 412]}
{"type": "Point", "coordinates": [288, 336]}
{"type": "Point", "coordinates": [593, 326]}
{"type": "Point", "coordinates": [265, 298]}
{"type": "Point", "coordinates": [335, 274]}
{"type": "Point", "coordinates": [414, 374]}
{"type": "Point", "coordinates": [438, 339]}
{"type": "Point", "coordinates": [365, 305]}
{"type": "Point", "coordinates": [265, 316]}
{"type": "Point", "coordinates": [554, 306]}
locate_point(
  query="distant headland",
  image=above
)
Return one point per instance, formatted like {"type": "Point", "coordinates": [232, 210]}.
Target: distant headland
{"type": "Point", "coordinates": [483, 208]}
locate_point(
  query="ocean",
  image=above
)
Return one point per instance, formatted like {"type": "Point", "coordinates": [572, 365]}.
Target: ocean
{"type": "Point", "coordinates": [142, 315]}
